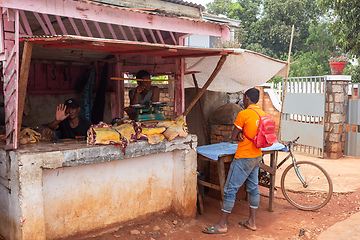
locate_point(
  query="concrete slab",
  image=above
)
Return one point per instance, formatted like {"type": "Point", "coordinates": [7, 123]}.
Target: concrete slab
{"type": "Point", "coordinates": [348, 229]}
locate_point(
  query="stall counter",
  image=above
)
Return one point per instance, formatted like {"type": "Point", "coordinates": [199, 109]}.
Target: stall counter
{"type": "Point", "coordinates": [54, 190]}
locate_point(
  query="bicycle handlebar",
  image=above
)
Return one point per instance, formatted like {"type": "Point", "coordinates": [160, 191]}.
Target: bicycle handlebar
{"type": "Point", "coordinates": [293, 141]}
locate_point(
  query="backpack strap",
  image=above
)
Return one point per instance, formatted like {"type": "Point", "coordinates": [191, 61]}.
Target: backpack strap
{"type": "Point", "coordinates": [243, 129]}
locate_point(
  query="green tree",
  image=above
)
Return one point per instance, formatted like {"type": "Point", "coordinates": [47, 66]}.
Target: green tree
{"type": "Point", "coordinates": [346, 29]}
{"type": "Point", "coordinates": [346, 25]}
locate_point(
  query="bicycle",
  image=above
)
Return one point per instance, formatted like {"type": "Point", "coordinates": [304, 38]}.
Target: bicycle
{"type": "Point", "coordinates": [304, 184]}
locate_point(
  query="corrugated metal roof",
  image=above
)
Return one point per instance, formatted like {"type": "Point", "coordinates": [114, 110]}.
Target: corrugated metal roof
{"type": "Point", "coordinates": [185, 3]}
{"type": "Point", "coordinates": [153, 11]}
{"type": "Point", "coordinates": [122, 47]}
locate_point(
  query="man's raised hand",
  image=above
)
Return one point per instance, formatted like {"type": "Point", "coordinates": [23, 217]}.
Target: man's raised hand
{"type": "Point", "coordinates": [60, 112]}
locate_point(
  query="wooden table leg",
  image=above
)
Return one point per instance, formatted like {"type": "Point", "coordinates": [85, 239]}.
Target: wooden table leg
{"type": "Point", "coordinates": [221, 171]}
{"type": "Point", "coordinates": [200, 201]}
{"type": "Point", "coordinates": [273, 162]}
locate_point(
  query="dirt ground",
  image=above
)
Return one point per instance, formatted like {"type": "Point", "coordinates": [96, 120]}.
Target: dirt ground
{"type": "Point", "coordinates": [285, 222]}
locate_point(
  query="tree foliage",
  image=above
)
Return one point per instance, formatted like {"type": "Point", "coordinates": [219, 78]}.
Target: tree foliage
{"type": "Point", "coordinates": [346, 26]}
{"type": "Point", "coordinates": [267, 29]}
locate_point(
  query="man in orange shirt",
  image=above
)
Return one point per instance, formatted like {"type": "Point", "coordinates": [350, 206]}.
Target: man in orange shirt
{"type": "Point", "coordinates": [245, 166]}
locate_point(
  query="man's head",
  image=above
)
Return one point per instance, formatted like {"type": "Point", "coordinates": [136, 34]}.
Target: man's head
{"type": "Point", "coordinates": [142, 74]}
{"type": "Point", "coordinates": [72, 108]}
{"type": "Point", "coordinates": [251, 96]}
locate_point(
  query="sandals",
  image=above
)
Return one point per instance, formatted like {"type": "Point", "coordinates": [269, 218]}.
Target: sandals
{"type": "Point", "coordinates": [212, 230]}
{"type": "Point", "coordinates": [245, 224]}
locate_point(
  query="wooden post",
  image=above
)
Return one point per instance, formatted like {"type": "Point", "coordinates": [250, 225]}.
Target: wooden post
{"type": "Point", "coordinates": [286, 78]}
{"type": "Point", "coordinates": [23, 81]}
{"type": "Point", "coordinates": [118, 107]}
{"type": "Point", "coordinates": [207, 84]}
{"type": "Point", "coordinates": [201, 109]}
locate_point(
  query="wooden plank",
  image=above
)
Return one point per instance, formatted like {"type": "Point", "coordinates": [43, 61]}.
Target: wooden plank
{"type": "Point", "coordinates": [111, 30]}
{"type": "Point", "coordinates": [61, 25]}
{"type": "Point", "coordinates": [74, 26]}
{"type": "Point", "coordinates": [210, 185]}
{"type": "Point", "coordinates": [152, 36]}
{"type": "Point", "coordinates": [54, 76]}
{"type": "Point", "coordinates": [143, 35]}
{"type": "Point", "coordinates": [41, 22]}
{"type": "Point", "coordinates": [160, 36]}
{"type": "Point", "coordinates": [132, 33]}
{"type": "Point", "coordinates": [222, 177]}
{"type": "Point", "coordinates": [23, 80]}
{"type": "Point", "coordinates": [87, 29]}
{"type": "Point", "coordinates": [173, 38]}
{"type": "Point", "coordinates": [40, 76]}
{"type": "Point", "coordinates": [267, 168]}
{"type": "Point", "coordinates": [26, 23]}
{"type": "Point", "coordinates": [49, 24]}
{"type": "Point", "coordinates": [273, 162]}
{"type": "Point", "coordinates": [201, 110]}
{"type": "Point", "coordinates": [207, 84]}
{"type": "Point", "coordinates": [98, 28]}
{"type": "Point", "coordinates": [31, 81]}
{"type": "Point", "coordinates": [123, 33]}
{"type": "Point", "coordinates": [143, 80]}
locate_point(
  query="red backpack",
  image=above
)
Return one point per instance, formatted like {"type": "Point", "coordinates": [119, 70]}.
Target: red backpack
{"type": "Point", "coordinates": [264, 136]}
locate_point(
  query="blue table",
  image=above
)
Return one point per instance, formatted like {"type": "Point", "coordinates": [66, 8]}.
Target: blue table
{"type": "Point", "coordinates": [222, 153]}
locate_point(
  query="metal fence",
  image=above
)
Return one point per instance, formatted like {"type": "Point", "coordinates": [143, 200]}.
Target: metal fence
{"type": "Point", "coordinates": [304, 112]}
{"type": "Point", "coordinates": [352, 136]}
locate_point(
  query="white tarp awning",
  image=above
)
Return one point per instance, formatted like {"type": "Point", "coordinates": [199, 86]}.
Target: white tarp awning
{"type": "Point", "coordinates": [242, 69]}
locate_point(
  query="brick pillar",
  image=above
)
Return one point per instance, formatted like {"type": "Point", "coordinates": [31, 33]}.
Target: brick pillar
{"type": "Point", "coordinates": [335, 115]}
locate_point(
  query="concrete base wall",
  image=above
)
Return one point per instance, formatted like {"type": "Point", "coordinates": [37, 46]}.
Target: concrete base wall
{"type": "Point", "coordinates": [58, 190]}
{"type": "Point", "coordinates": [83, 198]}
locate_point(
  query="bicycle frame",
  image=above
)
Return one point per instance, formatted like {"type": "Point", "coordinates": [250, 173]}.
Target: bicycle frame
{"type": "Point", "coordinates": [290, 147]}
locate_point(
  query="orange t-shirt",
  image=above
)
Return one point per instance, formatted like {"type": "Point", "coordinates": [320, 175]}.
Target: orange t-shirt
{"type": "Point", "coordinates": [248, 121]}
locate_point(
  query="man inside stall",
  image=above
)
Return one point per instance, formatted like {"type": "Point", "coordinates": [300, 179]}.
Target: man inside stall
{"type": "Point", "coordinates": [68, 123]}
{"type": "Point", "coordinates": [143, 94]}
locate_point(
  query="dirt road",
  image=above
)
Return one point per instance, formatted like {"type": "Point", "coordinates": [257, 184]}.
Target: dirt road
{"type": "Point", "coordinates": [285, 222]}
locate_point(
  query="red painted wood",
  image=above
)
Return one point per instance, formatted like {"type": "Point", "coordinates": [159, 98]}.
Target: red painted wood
{"type": "Point", "coordinates": [143, 35]}
{"type": "Point", "coordinates": [31, 80]}
{"type": "Point", "coordinates": [111, 31]}
{"type": "Point", "coordinates": [64, 76]}
{"type": "Point", "coordinates": [173, 38]}
{"type": "Point", "coordinates": [160, 36]}
{"type": "Point", "coordinates": [61, 25]}
{"type": "Point", "coordinates": [41, 22]}
{"type": "Point", "coordinates": [123, 33]}
{"type": "Point", "coordinates": [152, 36]}
{"type": "Point", "coordinates": [74, 26]}
{"type": "Point", "coordinates": [120, 16]}
{"type": "Point", "coordinates": [1, 34]}
{"type": "Point", "coordinates": [87, 29]}
{"type": "Point", "coordinates": [98, 28]}
{"type": "Point", "coordinates": [41, 76]}
{"type": "Point", "coordinates": [133, 34]}
{"type": "Point", "coordinates": [49, 24]}
{"type": "Point", "coordinates": [54, 76]}
{"type": "Point", "coordinates": [25, 23]}
{"type": "Point", "coordinates": [11, 21]}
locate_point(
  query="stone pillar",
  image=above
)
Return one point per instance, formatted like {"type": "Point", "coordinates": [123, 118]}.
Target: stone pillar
{"type": "Point", "coordinates": [335, 115]}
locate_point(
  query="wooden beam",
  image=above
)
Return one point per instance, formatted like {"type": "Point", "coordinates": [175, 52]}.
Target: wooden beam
{"type": "Point", "coordinates": [196, 55]}
{"type": "Point", "coordinates": [23, 81]}
{"type": "Point", "coordinates": [144, 80]}
{"type": "Point", "coordinates": [202, 110]}
{"type": "Point", "coordinates": [207, 84]}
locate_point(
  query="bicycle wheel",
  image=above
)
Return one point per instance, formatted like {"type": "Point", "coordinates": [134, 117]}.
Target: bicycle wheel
{"type": "Point", "coordinates": [319, 187]}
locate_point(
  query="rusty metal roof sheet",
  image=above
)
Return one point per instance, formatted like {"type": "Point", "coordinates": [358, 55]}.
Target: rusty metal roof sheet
{"type": "Point", "coordinates": [121, 47]}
